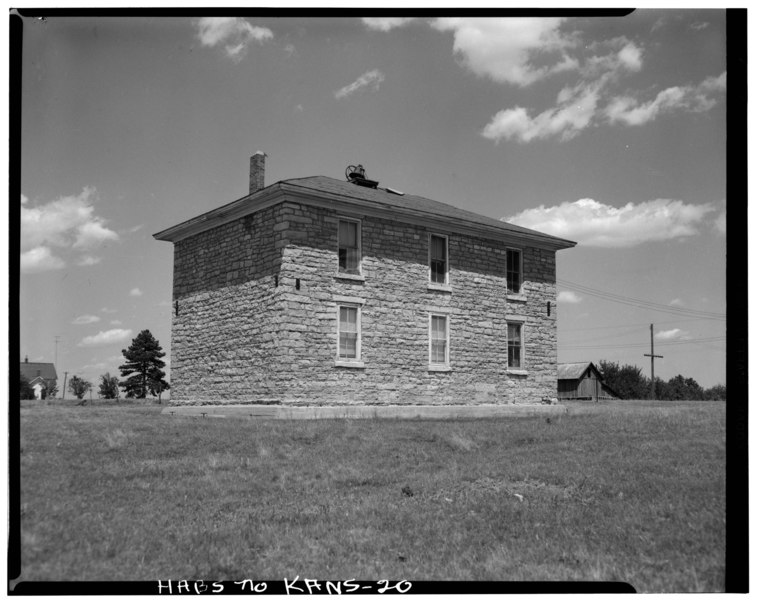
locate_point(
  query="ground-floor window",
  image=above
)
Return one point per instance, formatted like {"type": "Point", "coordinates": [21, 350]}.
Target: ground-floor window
{"type": "Point", "coordinates": [349, 333]}
{"type": "Point", "coordinates": [439, 340]}
{"type": "Point", "coordinates": [515, 345]}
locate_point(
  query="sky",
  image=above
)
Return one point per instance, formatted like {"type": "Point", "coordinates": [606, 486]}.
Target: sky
{"type": "Point", "coordinates": [606, 131]}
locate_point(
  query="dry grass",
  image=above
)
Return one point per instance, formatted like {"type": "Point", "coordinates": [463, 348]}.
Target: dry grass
{"type": "Point", "coordinates": [631, 494]}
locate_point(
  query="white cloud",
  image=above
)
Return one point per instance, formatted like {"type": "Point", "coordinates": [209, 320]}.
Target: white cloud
{"type": "Point", "coordinates": [85, 320]}
{"type": "Point", "coordinates": [116, 322]}
{"type": "Point", "coordinates": [135, 292]}
{"type": "Point", "coordinates": [372, 78]}
{"type": "Point", "coordinates": [233, 33]}
{"type": "Point", "coordinates": [386, 23]}
{"type": "Point", "coordinates": [87, 261]}
{"type": "Point", "coordinates": [105, 309]}
{"type": "Point", "coordinates": [507, 50]}
{"type": "Point", "coordinates": [592, 223]}
{"type": "Point", "coordinates": [676, 302]}
{"type": "Point", "coordinates": [699, 98]}
{"type": "Point", "coordinates": [720, 223]}
{"type": "Point", "coordinates": [574, 113]}
{"type": "Point", "coordinates": [672, 334]}
{"type": "Point", "coordinates": [568, 297]}
{"type": "Point", "coordinates": [40, 259]}
{"type": "Point", "coordinates": [103, 338]}
{"type": "Point", "coordinates": [67, 223]}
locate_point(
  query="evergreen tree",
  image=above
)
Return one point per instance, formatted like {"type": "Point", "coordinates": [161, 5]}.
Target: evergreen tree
{"type": "Point", "coordinates": [143, 366]}
{"type": "Point", "coordinates": [108, 386]}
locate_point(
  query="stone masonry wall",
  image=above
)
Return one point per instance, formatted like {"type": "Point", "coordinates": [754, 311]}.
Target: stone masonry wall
{"type": "Point", "coordinates": [395, 317]}
{"type": "Point", "coordinates": [240, 338]}
{"type": "Point", "coordinates": [225, 318]}
{"type": "Point", "coordinates": [257, 316]}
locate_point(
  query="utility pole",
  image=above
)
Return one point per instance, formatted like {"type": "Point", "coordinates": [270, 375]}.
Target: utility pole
{"type": "Point", "coordinates": [64, 385]}
{"type": "Point", "coordinates": [57, 337]}
{"type": "Point", "coordinates": [652, 355]}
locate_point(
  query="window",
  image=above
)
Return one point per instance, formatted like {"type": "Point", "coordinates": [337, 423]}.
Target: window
{"type": "Point", "coordinates": [349, 333]}
{"type": "Point", "coordinates": [349, 247]}
{"type": "Point", "coordinates": [515, 345]}
{"type": "Point", "coordinates": [438, 263]}
{"type": "Point", "coordinates": [439, 340]}
{"type": "Point", "coordinates": [513, 271]}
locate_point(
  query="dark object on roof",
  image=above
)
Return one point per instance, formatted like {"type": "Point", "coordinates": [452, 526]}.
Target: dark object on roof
{"type": "Point", "coordinates": [357, 176]}
{"type": "Point", "coordinates": [375, 201]}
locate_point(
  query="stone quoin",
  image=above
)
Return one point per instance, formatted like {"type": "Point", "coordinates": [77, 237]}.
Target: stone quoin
{"type": "Point", "coordinates": [318, 291]}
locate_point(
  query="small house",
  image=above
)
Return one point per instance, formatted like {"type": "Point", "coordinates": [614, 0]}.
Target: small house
{"type": "Point", "coordinates": [39, 375]}
{"type": "Point", "coordinates": [582, 381]}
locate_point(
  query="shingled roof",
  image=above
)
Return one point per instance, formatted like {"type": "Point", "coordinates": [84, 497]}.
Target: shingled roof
{"type": "Point", "coordinates": [574, 370]}
{"type": "Point", "coordinates": [383, 202]}
{"type": "Point", "coordinates": [32, 370]}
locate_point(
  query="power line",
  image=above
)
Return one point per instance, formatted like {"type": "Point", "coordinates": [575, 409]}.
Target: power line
{"type": "Point", "coordinates": [644, 344]}
{"type": "Point", "coordinates": [629, 326]}
{"type": "Point", "coordinates": [639, 303]}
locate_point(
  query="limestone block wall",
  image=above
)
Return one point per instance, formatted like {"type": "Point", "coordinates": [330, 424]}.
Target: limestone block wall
{"type": "Point", "coordinates": [257, 315]}
{"type": "Point", "coordinates": [225, 318]}
{"type": "Point", "coordinates": [395, 302]}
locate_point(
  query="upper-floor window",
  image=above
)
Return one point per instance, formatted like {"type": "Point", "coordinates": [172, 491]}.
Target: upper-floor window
{"type": "Point", "coordinates": [514, 270]}
{"type": "Point", "coordinates": [438, 258]}
{"type": "Point", "coordinates": [439, 340]}
{"type": "Point", "coordinates": [349, 333]}
{"type": "Point", "coordinates": [515, 345]}
{"type": "Point", "coordinates": [349, 246]}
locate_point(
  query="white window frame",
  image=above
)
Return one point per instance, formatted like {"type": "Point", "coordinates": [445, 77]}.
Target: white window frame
{"type": "Point", "coordinates": [520, 272]}
{"type": "Point", "coordinates": [355, 361]}
{"type": "Point", "coordinates": [359, 234]}
{"type": "Point", "coordinates": [431, 282]}
{"type": "Point", "coordinates": [521, 322]}
{"type": "Point", "coordinates": [438, 366]}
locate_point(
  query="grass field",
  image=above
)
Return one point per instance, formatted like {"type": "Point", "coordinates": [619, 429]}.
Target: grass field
{"type": "Point", "coordinates": [624, 492]}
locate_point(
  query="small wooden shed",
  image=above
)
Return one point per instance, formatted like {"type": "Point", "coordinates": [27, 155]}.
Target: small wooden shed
{"type": "Point", "coordinates": [582, 381]}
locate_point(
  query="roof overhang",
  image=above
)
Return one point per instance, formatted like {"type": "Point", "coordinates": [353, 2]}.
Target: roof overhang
{"type": "Point", "coordinates": [283, 191]}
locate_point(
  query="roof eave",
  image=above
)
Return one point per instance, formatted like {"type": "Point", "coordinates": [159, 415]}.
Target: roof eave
{"type": "Point", "coordinates": [282, 190]}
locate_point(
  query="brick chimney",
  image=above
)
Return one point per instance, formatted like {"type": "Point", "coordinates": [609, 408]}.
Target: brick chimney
{"type": "Point", "coordinates": [257, 172]}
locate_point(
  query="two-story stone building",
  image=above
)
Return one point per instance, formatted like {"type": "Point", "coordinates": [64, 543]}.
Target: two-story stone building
{"type": "Point", "coordinates": [316, 291]}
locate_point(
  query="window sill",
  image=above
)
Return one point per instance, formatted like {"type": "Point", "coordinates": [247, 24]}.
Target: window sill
{"type": "Point", "coordinates": [517, 297]}
{"type": "Point", "coordinates": [520, 372]}
{"type": "Point", "coordinates": [439, 287]}
{"type": "Point", "coordinates": [350, 276]}
{"type": "Point", "coordinates": [350, 364]}
{"type": "Point", "coordinates": [440, 368]}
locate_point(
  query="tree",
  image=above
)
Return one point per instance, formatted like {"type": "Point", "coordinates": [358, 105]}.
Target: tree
{"type": "Point", "coordinates": [626, 380]}
{"type": "Point", "coordinates": [51, 390]}
{"type": "Point", "coordinates": [143, 366]}
{"type": "Point", "coordinates": [682, 388]}
{"type": "Point", "coordinates": [716, 392]}
{"type": "Point", "coordinates": [26, 391]}
{"type": "Point", "coordinates": [157, 387]}
{"type": "Point", "coordinates": [79, 386]}
{"type": "Point", "coordinates": [108, 386]}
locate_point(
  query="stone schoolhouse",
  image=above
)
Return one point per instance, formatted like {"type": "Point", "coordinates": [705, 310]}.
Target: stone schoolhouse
{"type": "Point", "coordinates": [318, 291]}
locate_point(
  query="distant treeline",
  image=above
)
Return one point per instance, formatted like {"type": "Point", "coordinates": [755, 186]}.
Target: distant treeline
{"type": "Point", "coordinates": [629, 383]}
